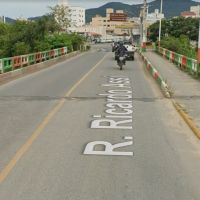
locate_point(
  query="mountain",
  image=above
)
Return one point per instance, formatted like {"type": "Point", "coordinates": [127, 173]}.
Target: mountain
{"type": "Point", "coordinates": [34, 18]}
{"type": "Point", "coordinates": [9, 20]}
{"type": "Point", "coordinates": [171, 8]}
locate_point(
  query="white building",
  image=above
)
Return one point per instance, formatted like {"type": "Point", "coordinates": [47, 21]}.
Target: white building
{"type": "Point", "coordinates": [21, 18]}
{"type": "Point", "coordinates": [77, 16]}
{"type": "Point", "coordinates": [2, 19]}
{"type": "Point", "coordinates": [196, 10]}
{"type": "Point", "coordinates": [155, 16]}
{"type": "Point", "coordinates": [88, 29]}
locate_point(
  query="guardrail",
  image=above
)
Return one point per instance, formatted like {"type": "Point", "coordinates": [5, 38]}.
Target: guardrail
{"type": "Point", "coordinates": [156, 75]}
{"type": "Point", "coordinates": [17, 62]}
{"type": "Point", "coordinates": [186, 64]}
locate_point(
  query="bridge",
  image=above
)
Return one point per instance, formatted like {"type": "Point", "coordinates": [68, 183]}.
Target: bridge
{"type": "Point", "coordinates": [75, 127]}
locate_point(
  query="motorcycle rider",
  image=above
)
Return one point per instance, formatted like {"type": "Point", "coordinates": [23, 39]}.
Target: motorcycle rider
{"type": "Point", "coordinates": [121, 52]}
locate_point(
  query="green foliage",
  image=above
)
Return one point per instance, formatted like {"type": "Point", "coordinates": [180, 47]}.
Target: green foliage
{"type": "Point", "coordinates": [42, 46]}
{"type": "Point", "coordinates": [177, 34]}
{"type": "Point", "coordinates": [176, 27]}
{"type": "Point", "coordinates": [179, 45]}
{"type": "Point", "coordinates": [23, 37]}
{"type": "Point", "coordinates": [71, 41]}
{"type": "Point", "coordinates": [76, 41]}
{"type": "Point", "coordinates": [21, 48]}
{"type": "Point", "coordinates": [88, 47]}
{"type": "Point", "coordinates": [3, 29]}
{"type": "Point", "coordinates": [59, 40]}
{"type": "Point", "coordinates": [61, 15]}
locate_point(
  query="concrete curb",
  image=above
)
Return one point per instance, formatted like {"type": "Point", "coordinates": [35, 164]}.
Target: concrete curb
{"type": "Point", "coordinates": [166, 91]}
{"type": "Point", "coordinates": [156, 75]}
{"type": "Point", "coordinates": [8, 76]}
{"type": "Point", "coordinates": [187, 119]}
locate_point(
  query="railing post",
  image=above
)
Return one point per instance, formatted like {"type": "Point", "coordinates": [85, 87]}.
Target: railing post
{"type": "Point", "coordinates": [1, 66]}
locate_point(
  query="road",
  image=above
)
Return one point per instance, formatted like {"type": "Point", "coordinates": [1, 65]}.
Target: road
{"type": "Point", "coordinates": [84, 130]}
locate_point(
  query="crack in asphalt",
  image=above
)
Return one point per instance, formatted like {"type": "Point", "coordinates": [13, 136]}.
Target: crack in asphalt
{"type": "Point", "coordinates": [53, 98]}
{"type": "Point", "coordinates": [76, 98]}
{"type": "Point", "coordinates": [186, 97]}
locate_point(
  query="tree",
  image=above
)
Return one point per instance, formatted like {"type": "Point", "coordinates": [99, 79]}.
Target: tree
{"type": "Point", "coordinates": [77, 40]}
{"type": "Point", "coordinates": [3, 29]}
{"type": "Point", "coordinates": [21, 48]}
{"type": "Point", "coordinates": [47, 25]}
{"type": "Point", "coordinates": [179, 45]}
{"type": "Point", "coordinates": [176, 27]}
{"type": "Point", "coordinates": [24, 37]}
{"type": "Point", "coordinates": [61, 14]}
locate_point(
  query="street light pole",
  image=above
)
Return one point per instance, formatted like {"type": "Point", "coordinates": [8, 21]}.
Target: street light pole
{"type": "Point", "coordinates": [144, 34]}
{"type": "Point", "coordinates": [198, 53]}
{"type": "Point", "coordinates": [141, 27]}
{"type": "Point", "coordinates": [160, 24]}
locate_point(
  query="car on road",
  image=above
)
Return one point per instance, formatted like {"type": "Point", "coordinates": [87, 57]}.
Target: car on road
{"type": "Point", "coordinates": [131, 48]}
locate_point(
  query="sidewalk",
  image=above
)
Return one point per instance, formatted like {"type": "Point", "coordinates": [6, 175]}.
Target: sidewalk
{"type": "Point", "coordinates": [185, 89]}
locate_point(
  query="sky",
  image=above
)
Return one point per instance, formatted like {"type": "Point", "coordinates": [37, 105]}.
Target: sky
{"type": "Point", "coordinates": [32, 8]}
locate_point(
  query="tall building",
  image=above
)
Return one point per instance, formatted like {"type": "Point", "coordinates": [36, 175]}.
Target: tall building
{"type": "Point", "coordinates": [154, 17]}
{"type": "Point", "coordinates": [116, 23]}
{"type": "Point", "coordinates": [77, 16]}
{"type": "Point", "coordinates": [196, 10]}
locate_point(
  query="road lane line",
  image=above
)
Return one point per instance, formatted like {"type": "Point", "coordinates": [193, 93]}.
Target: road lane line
{"type": "Point", "coordinates": [25, 147]}
{"type": "Point", "coordinates": [4, 173]}
{"type": "Point", "coordinates": [84, 77]}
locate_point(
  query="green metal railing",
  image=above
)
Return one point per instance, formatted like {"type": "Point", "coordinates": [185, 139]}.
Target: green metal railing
{"type": "Point", "coordinates": [13, 63]}
{"type": "Point", "coordinates": [185, 63]}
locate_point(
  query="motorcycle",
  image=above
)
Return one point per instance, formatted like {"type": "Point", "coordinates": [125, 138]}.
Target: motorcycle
{"type": "Point", "coordinates": [121, 61]}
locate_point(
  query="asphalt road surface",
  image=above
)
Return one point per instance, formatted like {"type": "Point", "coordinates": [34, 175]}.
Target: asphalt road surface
{"type": "Point", "coordinates": [84, 130]}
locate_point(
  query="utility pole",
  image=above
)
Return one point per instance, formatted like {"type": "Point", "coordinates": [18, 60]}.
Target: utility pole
{"type": "Point", "coordinates": [144, 27]}
{"type": "Point", "coordinates": [160, 25]}
{"type": "Point", "coordinates": [141, 27]}
{"type": "Point", "coordinates": [198, 53]}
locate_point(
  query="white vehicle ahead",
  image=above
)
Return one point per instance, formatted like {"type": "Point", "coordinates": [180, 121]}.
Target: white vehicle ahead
{"type": "Point", "coordinates": [131, 48]}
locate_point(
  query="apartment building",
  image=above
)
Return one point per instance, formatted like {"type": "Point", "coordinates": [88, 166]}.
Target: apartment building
{"type": "Point", "coordinates": [115, 22]}
{"type": "Point", "coordinates": [196, 10]}
{"type": "Point", "coordinates": [76, 16]}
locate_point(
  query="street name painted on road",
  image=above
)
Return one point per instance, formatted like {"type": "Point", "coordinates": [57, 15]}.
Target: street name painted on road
{"type": "Point", "coordinates": [118, 116]}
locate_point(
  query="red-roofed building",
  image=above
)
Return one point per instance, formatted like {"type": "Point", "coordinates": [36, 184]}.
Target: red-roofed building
{"type": "Point", "coordinates": [187, 14]}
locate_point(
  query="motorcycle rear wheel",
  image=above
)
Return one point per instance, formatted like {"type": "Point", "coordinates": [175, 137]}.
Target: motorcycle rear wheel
{"type": "Point", "coordinates": [120, 66]}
